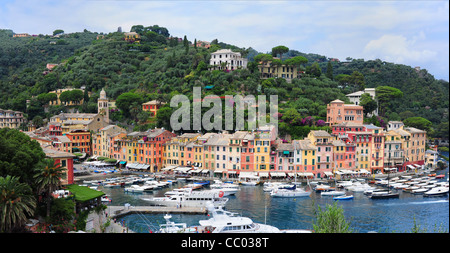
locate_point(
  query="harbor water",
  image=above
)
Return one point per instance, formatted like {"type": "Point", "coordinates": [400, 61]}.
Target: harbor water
{"type": "Point", "coordinates": [364, 214]}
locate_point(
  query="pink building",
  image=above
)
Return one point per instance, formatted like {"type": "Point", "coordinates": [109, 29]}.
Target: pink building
{"type": "Point", "coordinates": [338, 112]}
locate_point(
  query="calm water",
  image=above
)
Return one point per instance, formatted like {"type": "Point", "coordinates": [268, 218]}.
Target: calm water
{"type": "Point", "coordinates": [364, 214]}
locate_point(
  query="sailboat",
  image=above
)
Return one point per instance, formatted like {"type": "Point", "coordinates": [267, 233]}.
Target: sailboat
{"type": "Point", "coordinates": [385, 194]}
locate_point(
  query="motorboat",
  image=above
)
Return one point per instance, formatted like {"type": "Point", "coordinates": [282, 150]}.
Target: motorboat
{"type": "Point", "coordinates": [322, 187]}
{"type": "Point", "coordinates": [190, 198]}
{"type": "Point", "coordinates": [105, 198]}
{"type": "Point", "coordinates": [343, 197]}
{"type": "Point", "coordinates": [344, 184]}
{"type": "Point", "coordinates": [221, 222]}
{"type": "Point", "coordinates": [437, 191]}
{"type": "Point", "coordinates": [360, 187]}
{"type": "Point", "coordinates": [410, 188]}
{"type": "Point", "coordinates": [249, 180]}
{"type": "Point", "coordinates": [289, 193]}
{"type": "Point", "coordinates": [376, 190]}
{"type": "Point", "coordinates": [332, 193]}
{"type": "Point", "coordinates": [177, 191]}
{"type": "Point", "coordinates": [419, 191]}
{"type": "Point", "coordinates": [134, 189]}
{"type": "Point", "coordinates": [220, 185]}
{"type": "Point", "coordinates": [384, 195]}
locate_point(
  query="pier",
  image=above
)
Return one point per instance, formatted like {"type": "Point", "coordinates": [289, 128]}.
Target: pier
{"type": "Point", "coordinates": [119, 211]}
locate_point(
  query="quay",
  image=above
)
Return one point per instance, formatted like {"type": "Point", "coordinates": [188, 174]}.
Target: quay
{"type": "Point", "coordinates": [119, 211]}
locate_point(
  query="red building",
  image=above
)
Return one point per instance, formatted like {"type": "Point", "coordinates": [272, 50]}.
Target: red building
{"type": "Point", "coordinates": [65, 159]}
{"type": "Point", "coordinates": [55, 130]}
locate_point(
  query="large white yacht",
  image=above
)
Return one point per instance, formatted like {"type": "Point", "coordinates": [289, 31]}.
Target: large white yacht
{"type": "Point", "coordinates": [221, 222]}
{"type": "Point", "coordinates": [190, 198]}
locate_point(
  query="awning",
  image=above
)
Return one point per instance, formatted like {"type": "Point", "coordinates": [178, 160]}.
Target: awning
{"type": "Point", "coordinates": [305, 174]}
{"type": "Point", "coordinates": [418, 166]}
{"type": "Point", "coordinates": [328, 173]}
{"type": "Point", "coordinates": [247, 174]}
{"type": "Point", "coordinates": [182, 169]}
{"type": "Point", "coordinates": [264, 174]}
{"type": "Point", "coordinates": [123, 162]}
{"type": "Point", "coordinates": [364, 171]}
{"type": "Point", "coordinates": [278, 174]}
{"type": "Point", "coordinates": [218, 171]}
{"type": "Point", "coordinates": [411, 167]}
{"type": "Point", "coordinates": [171, 167]}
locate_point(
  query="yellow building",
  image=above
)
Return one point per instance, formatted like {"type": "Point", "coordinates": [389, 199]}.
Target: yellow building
{"type": "Point", "coordinates": [262, 153]}
{"type": "Point", "coordinates": [132, 36]}
{"type": "Point", "coordinates": [103, 142]}
{"type": "Point", "coordinates": [308, 154]}
{"type": "Point", "coordinates": [58, 93]}
{"type": "Point", "coordinates": [176, 151]}
{"type": "Point", "coordinates": [270, 70]}
{"type": "Point", "coordinates": [417, 148]}
{"type": "Point", "coordinates": [79, 121]}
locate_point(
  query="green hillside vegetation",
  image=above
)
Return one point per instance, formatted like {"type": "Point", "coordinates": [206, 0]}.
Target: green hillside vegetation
{"type": "Point", "coordinates": [158, 66]}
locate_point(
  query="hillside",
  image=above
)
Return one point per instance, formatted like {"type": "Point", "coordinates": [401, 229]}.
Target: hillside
{"type": "Point", "coordinates": [159, 67]}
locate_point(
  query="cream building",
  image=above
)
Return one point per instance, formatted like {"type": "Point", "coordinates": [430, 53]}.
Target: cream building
{"type": "Point", "coordinates": [227, 60]}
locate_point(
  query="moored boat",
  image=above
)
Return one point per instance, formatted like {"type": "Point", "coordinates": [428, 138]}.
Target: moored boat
{"type": "Point", "coordinates": [343, 197]}
{"type": "Point", "coordinates": [437, 191]}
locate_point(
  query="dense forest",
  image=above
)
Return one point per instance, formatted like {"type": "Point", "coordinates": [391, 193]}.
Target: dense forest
{"type": "Point", "coordinates": [159, 66]}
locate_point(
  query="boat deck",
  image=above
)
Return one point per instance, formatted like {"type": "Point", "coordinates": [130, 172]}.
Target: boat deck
{"type": "Point", "coordinates": [118, 211]}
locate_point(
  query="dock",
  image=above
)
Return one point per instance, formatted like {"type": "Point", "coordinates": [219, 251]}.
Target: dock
{"type": "Point", "coordinates": [119, 211]}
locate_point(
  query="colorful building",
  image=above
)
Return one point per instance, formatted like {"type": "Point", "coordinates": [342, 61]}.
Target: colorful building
{"type": "Point", "coordinates": [65, 159]}
{"type": "Point", "coordinates": [338, 112]}
{"type": "Point", "coordinates": [81, 141]}
{"type": "Point", "coordinates": [324, 143]}
{"type": "Point", "coordinates": [152, 107]}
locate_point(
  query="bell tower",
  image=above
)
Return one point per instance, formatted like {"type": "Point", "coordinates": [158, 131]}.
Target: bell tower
{"type": "Point", "coordinates": [102, 104]}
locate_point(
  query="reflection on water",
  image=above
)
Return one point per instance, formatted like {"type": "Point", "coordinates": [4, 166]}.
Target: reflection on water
{"type": "Point", "coordinates": [364, 214]}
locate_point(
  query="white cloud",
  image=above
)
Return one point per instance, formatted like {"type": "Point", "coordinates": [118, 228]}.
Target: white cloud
{"type": "Point", "coordinates": [408, 32]}
{"type": "Point", "coordinates": [398, 49]}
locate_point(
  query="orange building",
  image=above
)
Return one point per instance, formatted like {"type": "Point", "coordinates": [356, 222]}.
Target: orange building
{"type": "Point", "coordinates": [338, 112]}
{"type": "Point", "coordinates": [81, 140]}
{"type": "Point", "coordinates": [152, 107]}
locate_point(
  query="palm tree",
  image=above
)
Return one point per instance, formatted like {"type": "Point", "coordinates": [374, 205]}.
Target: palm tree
{"type": "Point", "coordinates": [16, 202]}
{"type": "Point", "coordinates": [48, 179]}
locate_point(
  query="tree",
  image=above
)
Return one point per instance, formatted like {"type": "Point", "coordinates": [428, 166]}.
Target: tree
{"type": "Point", "coordinates": [19, 155]}
{"type": "Point", "coordinates": [331, 220]}
{"type": "Point", "coordinates": [124, 101]}
{"type": "Point", "coordinates": [16, 203]}
{"type": "Point", "coordinates": [279, 50]}
{"type": "Point", "coordinates": [48, 179]}
{"type": "Point", "coordinates": [264, 58]}
{"type": "Point", "coordinates": [163, 117]}
{"type": "Point", "coordinates": [418, 122]}
{"type": "Point", "coordinates": [368, 103]}
{"type": "Point", "coordinates": [329, 73]}
{"type": "Point", "coordinates": [314, 70]}
{"type": "Point", "coordinates": [58, 31]}
{"type": "Point", "coordinates": [384, 95]}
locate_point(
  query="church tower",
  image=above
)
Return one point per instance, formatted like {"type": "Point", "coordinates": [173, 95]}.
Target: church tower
{"type": "Point", "coordinates": [103, 108]}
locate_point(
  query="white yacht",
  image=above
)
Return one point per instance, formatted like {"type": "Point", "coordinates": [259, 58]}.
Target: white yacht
{"type": "Point", "coordinates": [436, 191]}
{"type": "Point", "coordinates": [249, 180]}
{"type": "Point", "coordinates": [221, 222]}
{"type": "Point", "coordinates": [190, 198]}
{"type": "Point", "coordinates": [289, 193]}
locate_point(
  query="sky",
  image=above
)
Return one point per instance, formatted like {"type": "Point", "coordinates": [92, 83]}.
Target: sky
{"type": "Point", "coordinates": [413, 33]}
